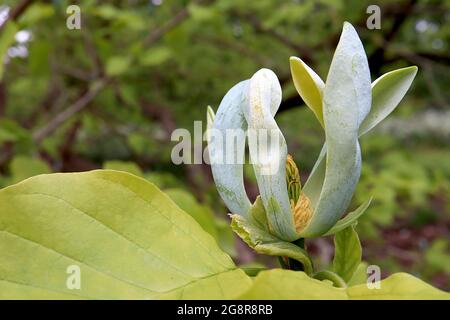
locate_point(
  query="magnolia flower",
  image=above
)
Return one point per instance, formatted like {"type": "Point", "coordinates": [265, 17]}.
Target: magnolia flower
{"type": "Point", "coordinates": [347, 106]}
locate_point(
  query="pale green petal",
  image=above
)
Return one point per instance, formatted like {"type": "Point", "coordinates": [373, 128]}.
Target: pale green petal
{"type": "Point", "coordinates": [268, 155]}
{"type": "Point", "coordinates": [387, 92]}
{"type": "Point", "coordinates": [227, 168]}
{"type": "Point", "coordinates": [309, 86]}
{"type": "Point", "coordinates": [346, 103]}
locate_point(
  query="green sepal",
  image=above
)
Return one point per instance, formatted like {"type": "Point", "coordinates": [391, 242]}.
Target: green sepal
{"type": "Point", "coordinates": [255, 232]}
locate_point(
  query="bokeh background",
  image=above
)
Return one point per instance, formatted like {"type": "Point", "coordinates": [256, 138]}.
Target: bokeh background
{"type": "Point", "coordinates": [110, 94]}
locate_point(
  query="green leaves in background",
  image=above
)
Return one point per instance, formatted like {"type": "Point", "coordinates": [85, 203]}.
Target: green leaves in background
{"type": "Point", "coordinates": [6, 39]}
{"type": "Point", "coordinates": [23, 167]}
{"type": "Point", "coordinates": [219, 228]}
{"type": "Point", "coordinates": [155, 56]}
{"type": "Point", "coordinates": [10, 131]}
{"type": "Point", "coordinates": [129, 239]}
{"type": "Point", "coordinates": [347, 254]}
{"type": "Point", "coordinates": [117, 65]}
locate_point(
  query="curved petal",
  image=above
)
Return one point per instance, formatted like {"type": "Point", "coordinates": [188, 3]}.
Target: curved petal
{"type": "Point", "coordinates": [268, 152]}
{"type": "Point", "coordinates": [309, 86]}
{"type": "Point", "coordinates": [347, 99]}
{"type": "Point", "coordinates": [387, 92]}
{"type": "Point", "coordinates": [227, 167]}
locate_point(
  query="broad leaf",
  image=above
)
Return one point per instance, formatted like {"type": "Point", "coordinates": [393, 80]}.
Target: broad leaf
{"type": "Point", "coordinates": [293, 285]}
{"type": "Point", "coordinates": [347, 253]}
{"type": "Point", "coordinates": [128, 239]}
{"type": "Point", "coordinates": [309, 86]}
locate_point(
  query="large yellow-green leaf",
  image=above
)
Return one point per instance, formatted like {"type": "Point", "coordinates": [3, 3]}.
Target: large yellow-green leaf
{"type": "Point", "coordinates": [309, 86]}
{"type": "Point", "coordinates": [128, 239]}
{"type": "Point", "coordinates": [284, 284]}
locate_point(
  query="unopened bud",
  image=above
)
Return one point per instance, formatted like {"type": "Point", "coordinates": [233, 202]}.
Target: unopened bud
{"type": "Point", "coordinates": [292, 180]}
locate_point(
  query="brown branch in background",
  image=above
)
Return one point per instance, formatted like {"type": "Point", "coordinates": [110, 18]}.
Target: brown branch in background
{"type": "Point", "coordinates": [377, 58]}
{"type": "Point", "coordinates": [180, 17]}
{"type": "Point", "coordinates": [98, 69]}
{"type": "Point", "coordinates": [156, 34]}
{"type": "Point", "coordinates": [62, 117]}
{"type": "Point", "coordinates": [290, 103]}
{"type": "Point", "coordinates": [70, 161]}
{"type": "Point", "coordinates": [240, 48]}
{"type": "Point", "coordinates": [305, 52]}
{"type": "Point", "coordinates": [15, 13]}
{"type": "Point", "coordinates": [198, 175]}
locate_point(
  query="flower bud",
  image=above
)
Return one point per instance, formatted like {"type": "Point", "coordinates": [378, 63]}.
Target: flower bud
{"type": "Point", "coordinates": [292, 180]}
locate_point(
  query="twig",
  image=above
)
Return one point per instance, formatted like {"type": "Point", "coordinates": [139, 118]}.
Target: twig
{"type": "Point", "coordinates": [158, 33]}
{"type": "Point", "coordinates": [16, 12]}
{"type": "Point", "coordinates": [79, 105]}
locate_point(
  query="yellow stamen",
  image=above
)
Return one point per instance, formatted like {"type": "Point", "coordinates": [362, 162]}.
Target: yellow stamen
{"type": "Point", "coordinates": [302, 212]}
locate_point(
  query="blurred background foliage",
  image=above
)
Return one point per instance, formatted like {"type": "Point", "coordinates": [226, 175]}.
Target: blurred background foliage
{"type": "Point", "coordinates": [110, 95]}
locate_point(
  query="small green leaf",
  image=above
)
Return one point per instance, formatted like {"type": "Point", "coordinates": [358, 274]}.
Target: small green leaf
{"type": "Point", "coordinates": [360, 275]}
{"type": "Point", "coordinates": [347, 254]}
{"type": "Point", "coordinates": [6, 40]}
{"type": "Point", "coordinates": [11, 131]}
{"type": "Point", "coordinates": [23, 167]}
{"type": "Point", "coordinates": [155, 56]}
{"type": "Point", "coordinates": [387, 92]}
{"type": "Point", "coordinates": [117, 65]}
{"type": "Point", "coordinates": [126, 166]}
{"type": "Point", "coordinates": [36, 13]}
{"type": "Point", "coordinates": [309, 86]}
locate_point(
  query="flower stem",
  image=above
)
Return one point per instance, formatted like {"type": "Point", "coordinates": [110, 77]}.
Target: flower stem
{"type": "Point", "coordinates": [293, 264]}
{"type": "Point", "coordinates": [331, 276]}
